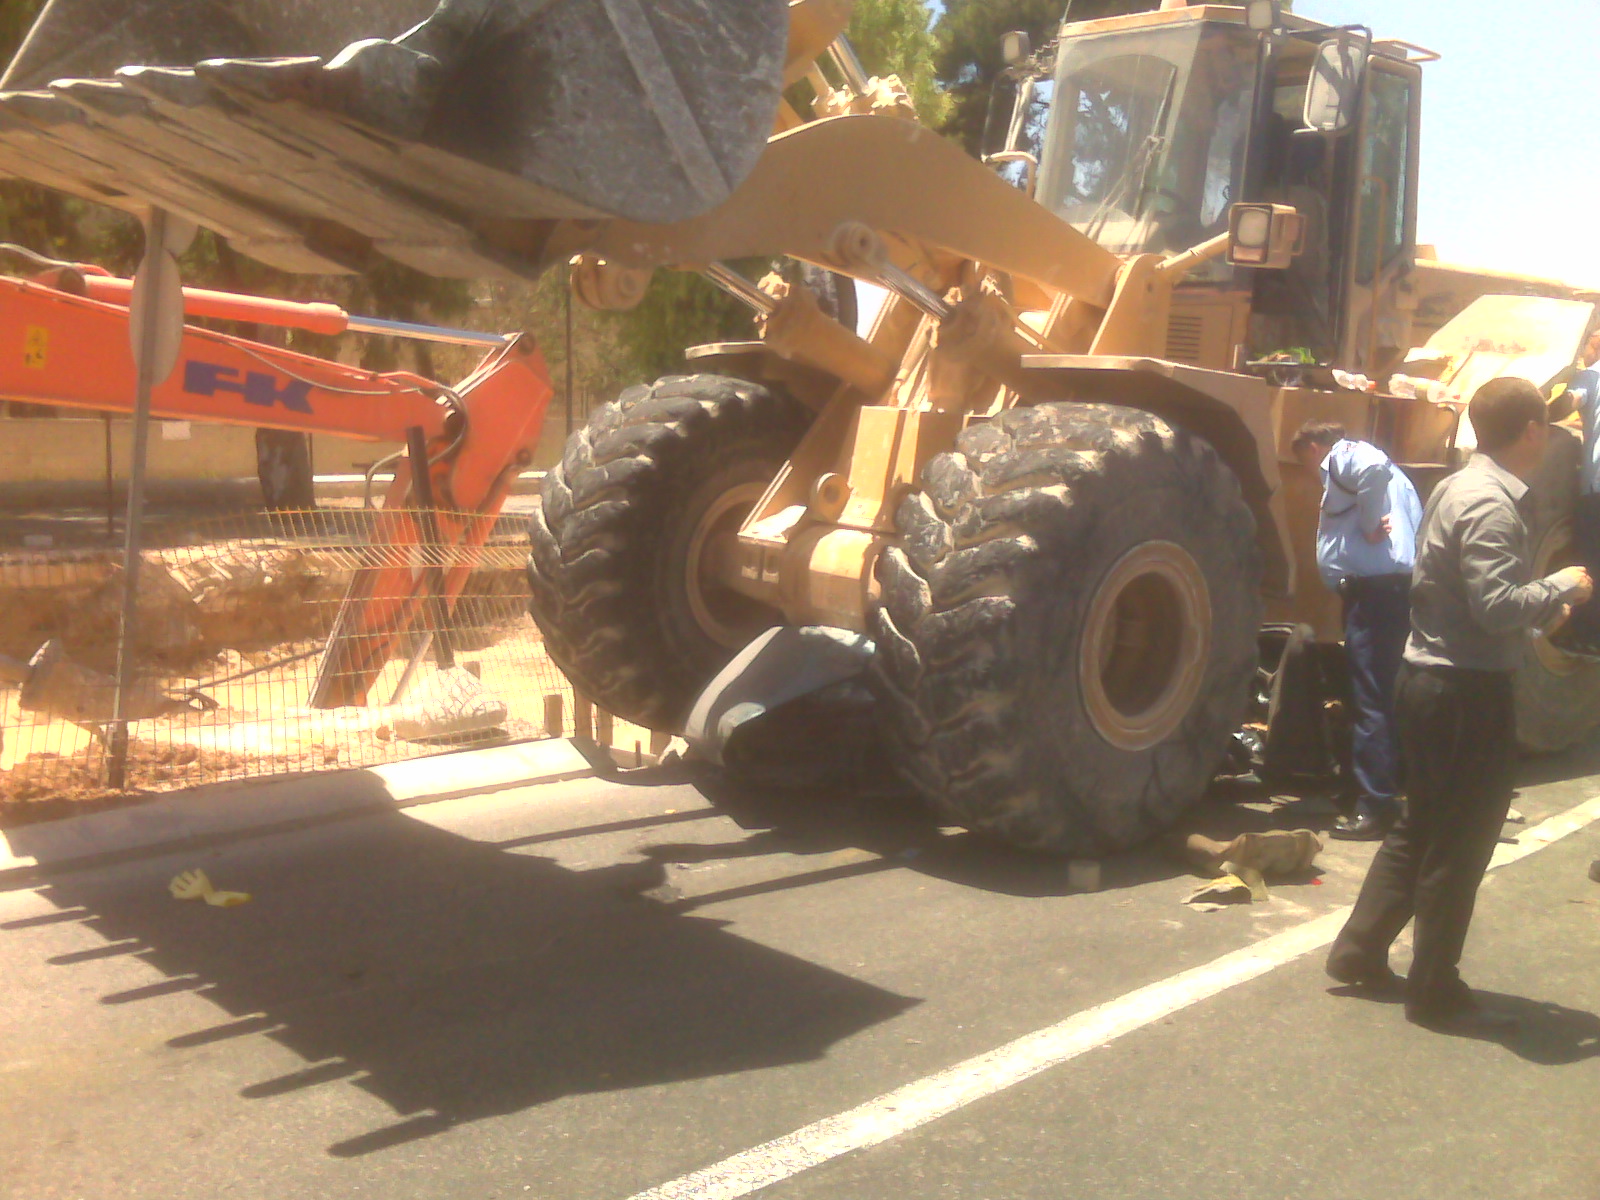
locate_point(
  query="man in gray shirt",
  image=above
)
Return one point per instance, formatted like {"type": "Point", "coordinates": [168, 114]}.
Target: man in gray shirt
{"type": "Point", "coordinates": [1472, 605]}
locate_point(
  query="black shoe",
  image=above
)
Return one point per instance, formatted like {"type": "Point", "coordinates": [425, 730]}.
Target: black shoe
{"type": "Point", "coordinates": [1594, 870]}
{"type": "Point", "coordinates": [1369, 977]}
{"type": "Point", "coordinates": [1361, 828]}
{"type": "Point", "coordinates": [1464, 1020]}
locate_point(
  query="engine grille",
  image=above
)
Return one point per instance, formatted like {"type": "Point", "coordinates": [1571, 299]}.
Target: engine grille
{"type": "Point", "coordinates": [1185, 336]}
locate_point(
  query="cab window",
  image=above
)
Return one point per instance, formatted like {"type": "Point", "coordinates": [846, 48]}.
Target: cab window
{"type": "Point", "coordinates": [1385, 175]}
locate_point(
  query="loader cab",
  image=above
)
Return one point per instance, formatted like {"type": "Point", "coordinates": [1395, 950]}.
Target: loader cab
{"type": "Point", "coordinates": [1159, 122]}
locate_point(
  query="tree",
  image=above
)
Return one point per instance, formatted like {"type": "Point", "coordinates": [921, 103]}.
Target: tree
{"type": "Point", "coordinates": [16, 18]}
{"type": "Point", "coordinates": [967, 60]}
{"type": "Point", "coordinates": [892, 38]}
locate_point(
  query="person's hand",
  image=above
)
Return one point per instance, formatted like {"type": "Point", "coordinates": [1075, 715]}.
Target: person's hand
{"type": "Point", "coordinates": [1382, 532]}
{"type": "Point", "coordinates": [1575, 583]}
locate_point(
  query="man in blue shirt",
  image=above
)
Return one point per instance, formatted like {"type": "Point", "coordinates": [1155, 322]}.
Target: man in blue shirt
{"type": "Point", "coordinates": [1582, 632]}
{"type": "Point", "coordinates": [1366, 546]}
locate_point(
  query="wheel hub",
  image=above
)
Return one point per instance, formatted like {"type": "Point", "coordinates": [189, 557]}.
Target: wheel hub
{"type": "Point", "coordinates": [724, 615]}
{"type": "Point", "coordinates": [1145, 645]}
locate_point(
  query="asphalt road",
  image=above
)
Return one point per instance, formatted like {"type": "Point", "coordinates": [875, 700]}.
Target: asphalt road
{"type": "Point", "coordinates": [592, 989]}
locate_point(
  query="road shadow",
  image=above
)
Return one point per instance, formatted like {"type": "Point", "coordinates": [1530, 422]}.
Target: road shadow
{"type": "Point", "coordinates": [1546, 1033]}
{"type": "Point", "coordinates": [878, 816]}
{"type": "Point", "coordinates": [1577, 762]}
{"type": "Point", "coordinates": [455, 980]}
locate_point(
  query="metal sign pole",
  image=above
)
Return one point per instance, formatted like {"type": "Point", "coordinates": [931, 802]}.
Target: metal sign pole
{"type": "Point", "coordinates": [156, 328]}
{"type": "Point", "coordinates": [569, 353]}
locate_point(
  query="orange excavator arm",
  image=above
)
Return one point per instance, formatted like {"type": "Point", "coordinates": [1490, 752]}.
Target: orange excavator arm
{"type": "Point", "coordinates": [73, 351]}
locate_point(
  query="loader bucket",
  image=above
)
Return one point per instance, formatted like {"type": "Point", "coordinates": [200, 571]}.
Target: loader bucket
{"type": "Point", "coordinates": [317, 132]}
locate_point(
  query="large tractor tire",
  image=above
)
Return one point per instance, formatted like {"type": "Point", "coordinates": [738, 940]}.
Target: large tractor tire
{"type": "Point", "coordinates": [621, 547]}
{"type": "Point", "coordinates": [1067, 632]}
{"type": "Point", "coordinates": [1557, 695]}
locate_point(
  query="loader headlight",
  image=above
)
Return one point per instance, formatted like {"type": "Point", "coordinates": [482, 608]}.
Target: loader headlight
{"type": "Point", "coordinates": [1254, 229]}
{"type": "Point", "coordinates": [1264, 235]}
{"type": "Point", "coordinates": [1015, 47]}
{"type": "Point", "coordinates": [1261, 15]}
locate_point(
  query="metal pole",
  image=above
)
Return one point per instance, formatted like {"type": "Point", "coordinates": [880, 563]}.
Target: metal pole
{"type": "Point", "coordinates": [427, 519]}
{"type": "Point", "coordinates": [427, 333]}
{"type": "Point", "coordinates": [569, 353]}
{"type": "Point", "coordinates": [111, 485]}
{"type": "Point", "coordinates": [844, 57]}
{"type": "Point", "coordinates": [145, 377]}
{"type": "Point", "coordinates": [741, 289]}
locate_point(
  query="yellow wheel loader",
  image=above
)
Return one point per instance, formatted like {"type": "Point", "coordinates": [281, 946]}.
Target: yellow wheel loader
{"type": "Point", "coordinates": [1044, 506]}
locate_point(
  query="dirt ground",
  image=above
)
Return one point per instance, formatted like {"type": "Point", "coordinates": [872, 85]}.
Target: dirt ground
{"type": "Point", "coordinates": [232, 630]}
{"type": "Point", "coordinates": [52, 768]}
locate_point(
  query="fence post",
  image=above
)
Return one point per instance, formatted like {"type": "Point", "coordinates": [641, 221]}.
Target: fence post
{"type": "Point", "coordinates": [155, 325]}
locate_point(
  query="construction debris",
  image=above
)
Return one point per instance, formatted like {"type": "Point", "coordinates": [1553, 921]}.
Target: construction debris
{"type": "Point", "coordinates": [446, 705]}
{"type": "Point", "coordinates": [1226, 889]}
{"type": "Point", "coordinates": [54, 686]}
{"type": "Point", "coordinates": [240, 594]}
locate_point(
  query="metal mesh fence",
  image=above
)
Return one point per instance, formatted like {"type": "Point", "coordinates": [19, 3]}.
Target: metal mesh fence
{"type": "Point", "coordinates": [276, 643]}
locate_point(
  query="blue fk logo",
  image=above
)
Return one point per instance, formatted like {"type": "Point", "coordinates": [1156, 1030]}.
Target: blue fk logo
{"type": "Point", "coordinates": [257, 387]}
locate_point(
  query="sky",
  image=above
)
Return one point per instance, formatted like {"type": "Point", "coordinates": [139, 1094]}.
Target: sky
{"type": "Point", "coordinates": [1509, 164]}
{"type": "Point", "coordinates": [1510, 127]}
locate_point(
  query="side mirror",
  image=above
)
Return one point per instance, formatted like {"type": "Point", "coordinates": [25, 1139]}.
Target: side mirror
{"type": "Point", "coordinates": [1265, 235]}
{"type": "Point", "coordinates": [1334, 93]}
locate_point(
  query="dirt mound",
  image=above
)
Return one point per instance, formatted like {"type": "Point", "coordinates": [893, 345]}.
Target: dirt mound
{"type": "Point", "coordinates": [48, 786]}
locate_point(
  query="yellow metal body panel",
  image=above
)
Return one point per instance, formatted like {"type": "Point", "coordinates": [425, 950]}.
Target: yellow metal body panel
{"type": "Point", "coordinates": [1028, 310]}
{"type": "Point", "coordinates": [1530, 337]}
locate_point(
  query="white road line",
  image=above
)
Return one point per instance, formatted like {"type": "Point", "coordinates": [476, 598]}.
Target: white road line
{"type": "Point", "coordinates": [916, 1104]}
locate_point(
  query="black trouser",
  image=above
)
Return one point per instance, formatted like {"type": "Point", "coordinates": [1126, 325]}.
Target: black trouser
{"type": "Point", "coordinates": [1377, 621]}
{"type": "Point", "coordinates": [1457, 743]}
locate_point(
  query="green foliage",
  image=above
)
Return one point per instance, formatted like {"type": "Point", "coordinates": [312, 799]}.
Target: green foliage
{"type": "Point", "coordinates": [892, 38]}
{"type": "Point", "coordinates": [16, 18]}
{"type": "Point", "coordinates": [682, 310]}
{"type": "Point", "coordinates": [967, 60]}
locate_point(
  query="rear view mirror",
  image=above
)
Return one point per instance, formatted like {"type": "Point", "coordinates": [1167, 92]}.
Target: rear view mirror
{"type": "Point", "coordinates": [1334, 94]}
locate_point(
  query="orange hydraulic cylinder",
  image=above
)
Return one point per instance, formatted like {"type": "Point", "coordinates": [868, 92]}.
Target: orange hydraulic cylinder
{"type": "Point", "coordinates": [327, 319]}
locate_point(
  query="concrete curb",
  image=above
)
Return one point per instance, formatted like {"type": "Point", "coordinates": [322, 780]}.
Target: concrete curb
{"type": "Point", "coordinates": [229, 811]}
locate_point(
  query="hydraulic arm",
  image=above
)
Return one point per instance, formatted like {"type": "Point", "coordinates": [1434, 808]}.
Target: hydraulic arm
{"type": "Point", "coordinates": [72, 351]}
